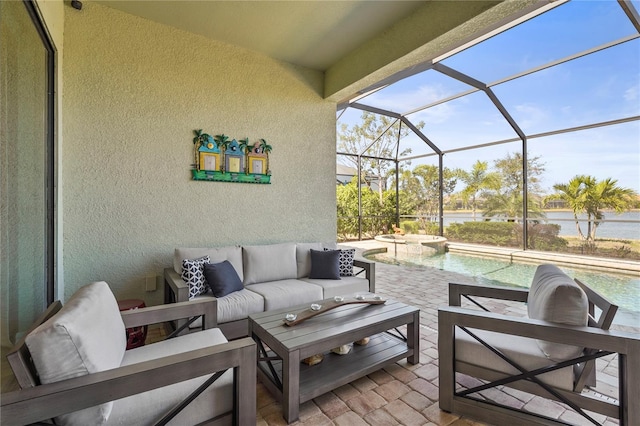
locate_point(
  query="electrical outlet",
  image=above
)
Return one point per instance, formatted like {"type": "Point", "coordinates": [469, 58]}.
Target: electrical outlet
{"type": "Point", "coordinates": [150, 283]}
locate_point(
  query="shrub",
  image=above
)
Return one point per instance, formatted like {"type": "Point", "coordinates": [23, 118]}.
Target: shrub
{"type": "Point", "coordinates": [492, 233]}
{"type": "Point", "coordinates": [410, 226]}
{"type": "Point", "coordinates": [508, 234]}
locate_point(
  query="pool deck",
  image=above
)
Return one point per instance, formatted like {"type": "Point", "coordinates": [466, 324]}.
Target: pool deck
{"type": "Point", "coordinates": [405, 394]}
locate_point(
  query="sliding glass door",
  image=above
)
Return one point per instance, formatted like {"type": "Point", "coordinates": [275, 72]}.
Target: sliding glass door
{"type": "Point", "coordinates": [26, 168]}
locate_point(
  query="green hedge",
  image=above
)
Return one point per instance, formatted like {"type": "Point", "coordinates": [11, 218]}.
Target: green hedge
{"type": "Point", "coordinates": [507, 234]}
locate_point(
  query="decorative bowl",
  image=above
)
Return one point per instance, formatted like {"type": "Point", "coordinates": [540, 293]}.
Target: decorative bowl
{"type": "Point", "coordinates": [290, 317]}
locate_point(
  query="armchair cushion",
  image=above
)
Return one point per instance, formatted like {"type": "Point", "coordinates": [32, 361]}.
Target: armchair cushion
{"type": "Point", "coordinates": [152, 405]}
{"type": "Point", "coordinates": [555, 297]}
{"type": "Point", "coordinates": [522, 350]}
{"type": "Point", "coordinates": [64, 347]}
{"type": "Point", "coordinates": [222, 278]}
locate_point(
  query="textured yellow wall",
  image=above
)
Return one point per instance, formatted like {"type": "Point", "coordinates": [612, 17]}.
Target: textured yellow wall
{"type": "Point", "coordinates": [134, 92]}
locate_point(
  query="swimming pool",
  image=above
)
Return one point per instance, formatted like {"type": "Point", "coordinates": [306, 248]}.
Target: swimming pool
{"type": "Point", "coordinates": [623, 290]}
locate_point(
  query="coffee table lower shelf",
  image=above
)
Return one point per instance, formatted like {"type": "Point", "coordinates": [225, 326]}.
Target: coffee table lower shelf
{"type": "Point", "coordinates": [337, 370]}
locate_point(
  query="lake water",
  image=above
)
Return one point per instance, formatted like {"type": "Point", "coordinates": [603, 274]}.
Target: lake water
{"type": "Point", "coordinates": [613, 227]}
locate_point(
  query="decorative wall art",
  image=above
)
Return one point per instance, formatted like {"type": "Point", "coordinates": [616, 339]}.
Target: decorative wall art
{"type": "Point", "coordinates": [219, 159]}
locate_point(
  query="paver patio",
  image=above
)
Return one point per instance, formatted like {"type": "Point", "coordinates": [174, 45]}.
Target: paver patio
{"type": "Point", "coordinates": [405, 394]}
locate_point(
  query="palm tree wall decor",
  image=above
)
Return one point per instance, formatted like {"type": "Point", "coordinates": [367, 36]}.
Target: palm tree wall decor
{"type": "Point", "coordinates": [240, 151]}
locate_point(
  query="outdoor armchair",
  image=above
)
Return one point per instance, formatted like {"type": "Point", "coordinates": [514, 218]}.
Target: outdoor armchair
{"type": "Point", "coordinates": [550, 353]}
{"type": "Point", "coordinates": [73, 367]}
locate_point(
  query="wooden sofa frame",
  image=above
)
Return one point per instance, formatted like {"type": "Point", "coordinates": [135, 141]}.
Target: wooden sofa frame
{"type": "Point", "coordinates": [36, 402]}
{"type": "Point", "coordinates": [176, 290]}
{"type": "Point", "coordinates": [596, 335]}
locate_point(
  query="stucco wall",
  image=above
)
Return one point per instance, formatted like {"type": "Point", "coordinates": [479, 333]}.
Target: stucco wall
{"type": "Point", "coordinates": [134, 92]}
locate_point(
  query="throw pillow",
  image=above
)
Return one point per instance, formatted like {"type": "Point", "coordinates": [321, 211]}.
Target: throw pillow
{"type": "Point", "coordinates": [222, 278]}
{"type": "Point", "coordinates": [346, 261]}
{"type": "Point", "coordinates": [325, 264]}
{"type": "Point", "coordinates": [193, 275]}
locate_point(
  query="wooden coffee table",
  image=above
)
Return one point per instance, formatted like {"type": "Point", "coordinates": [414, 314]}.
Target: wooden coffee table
{"type": "Point", "coordinates": [282, 348]}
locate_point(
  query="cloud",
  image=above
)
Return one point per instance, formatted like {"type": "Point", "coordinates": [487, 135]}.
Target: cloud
{"type": "Point", "coordinates": [530, 115]}
{"type": "Point", "coordinates": [402, 101]}
{"type": "Point", "coordinates": [631, 94]}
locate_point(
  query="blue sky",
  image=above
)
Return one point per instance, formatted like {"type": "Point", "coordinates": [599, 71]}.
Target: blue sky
{"type": "Point", "coordinates": [595, 88]}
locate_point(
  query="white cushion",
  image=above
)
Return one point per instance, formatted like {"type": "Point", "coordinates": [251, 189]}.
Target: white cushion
{"type": "Point", "coordinates": [216, 255]}
{"type": "Point", "coordinates": [271, 262]}
{"type": "Point", "coordinates": [235, 306]}
{"type": "Point", "coordinates": [86, 336]}
{"type": "Point", "coordinates": [286, 293]}
{"type": "Point", "coordinates": [150, 406]}
{"type": "Point", "coordinates": [303, 256]}
{"type": "Point", "coordinates": [342, 287]}
{"type": "Point", "coordinates": [555, 297]}
{"type": "Point", "coordinates": [522, 350]}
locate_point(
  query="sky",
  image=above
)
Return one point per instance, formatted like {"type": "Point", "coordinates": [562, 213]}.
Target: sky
{"type": "Point", "coordinates": [594, 88]}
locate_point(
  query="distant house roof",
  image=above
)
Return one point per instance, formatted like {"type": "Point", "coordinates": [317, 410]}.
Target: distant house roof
{"type": "Point", "coordinates": [341, 169]}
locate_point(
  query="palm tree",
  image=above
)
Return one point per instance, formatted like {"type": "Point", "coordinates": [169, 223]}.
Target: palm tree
{"type": "Point", "coordinates": [584, 194]}
{"type": "Point", "coordinates": [199, 140]}
{"type": "Point", "coordinates": [475, 181]}
{"type": "Point", "coordinates": [245, 147]}
{"type": "Point", "coordinates": [266, 148]}
{"type": "Point", "coordinates": [223, 143]}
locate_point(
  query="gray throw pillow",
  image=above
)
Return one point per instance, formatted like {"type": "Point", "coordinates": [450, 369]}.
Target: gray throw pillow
{"type": "Point", "coordinates": [222, 278]}
{"type": "Point", "coordinates": [325, 264]}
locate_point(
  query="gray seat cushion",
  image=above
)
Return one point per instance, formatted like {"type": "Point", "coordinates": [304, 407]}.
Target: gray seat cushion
{"type": "Point", "coordinates": [152, 405]}
{"type": "Point", "coordinates": [522, 350]}
{"type": "Point", "coordinates": [235, 306]}
{"type": "Point", "coordinates": [286, 293]}
{"type": "Point", "coordinates": [342, 287]}
{"type": "Point", "coordinates": [270, 262]}
{"type": "Point", "coordinates": [86, 336]}
{"type": "Point", "coordinates": [555, 297]}
{"type": "Point", "coordinates": [216, 255]}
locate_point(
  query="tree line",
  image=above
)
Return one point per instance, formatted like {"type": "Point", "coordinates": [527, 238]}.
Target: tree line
{"type": "Point", "coordinates": [491, 194]}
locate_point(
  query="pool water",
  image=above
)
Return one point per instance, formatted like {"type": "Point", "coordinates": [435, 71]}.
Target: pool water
{"type": "Point", "coordinates": [623, 290]}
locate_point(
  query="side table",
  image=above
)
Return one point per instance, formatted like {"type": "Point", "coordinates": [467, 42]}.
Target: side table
{"type": "Point", "coordinates": [135, 335]}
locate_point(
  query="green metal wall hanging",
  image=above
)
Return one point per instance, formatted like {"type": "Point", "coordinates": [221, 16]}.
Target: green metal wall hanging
{"type": "Point", "coordinates": [219, 159]}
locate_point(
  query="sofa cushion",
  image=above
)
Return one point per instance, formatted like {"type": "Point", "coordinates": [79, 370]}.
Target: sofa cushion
{"type": "Point", "coordinates": [216, 255]}
{"type": "Point", "coordinates": [193, 275]}
{"type": "Point", "coordinates": [555, 297]}
{"type": "Point", "coordinates": [325, 264]}
{"type": "Point", "coordinates": [286, 293]}
{"type": "Point", "coordinates": [345, 262]}
{"type": "Point", "coordinates": [222, 279]}
{"type": "Point", "coordinates": [235, 306]}
{"type": "Point", "coordinates": [86, 336]}
{"type": "Point", "coordinates": [303, 255]}
{"type": "Point", "coordinates": [271, 262]}
{"type": "Point", "coordinates": [343, 287]}
{"type": "Point", "coordinates": [152, 405]}
{"type": "Point", "coordinates": [522, 350]}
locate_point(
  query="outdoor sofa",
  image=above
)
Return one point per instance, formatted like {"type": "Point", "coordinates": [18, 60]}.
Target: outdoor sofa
{"type": "Point", "coordinates": [254, 278]}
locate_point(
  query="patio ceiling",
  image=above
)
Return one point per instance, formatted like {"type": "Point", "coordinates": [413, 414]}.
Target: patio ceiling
{"type": "Point", "coordinates": [313, 34]}
{"type": "Point", "coordinates": [355, 43]}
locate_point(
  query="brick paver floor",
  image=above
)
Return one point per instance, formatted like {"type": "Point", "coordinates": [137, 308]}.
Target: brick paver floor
{"type": "Point", "coordinates": [405, 394]}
